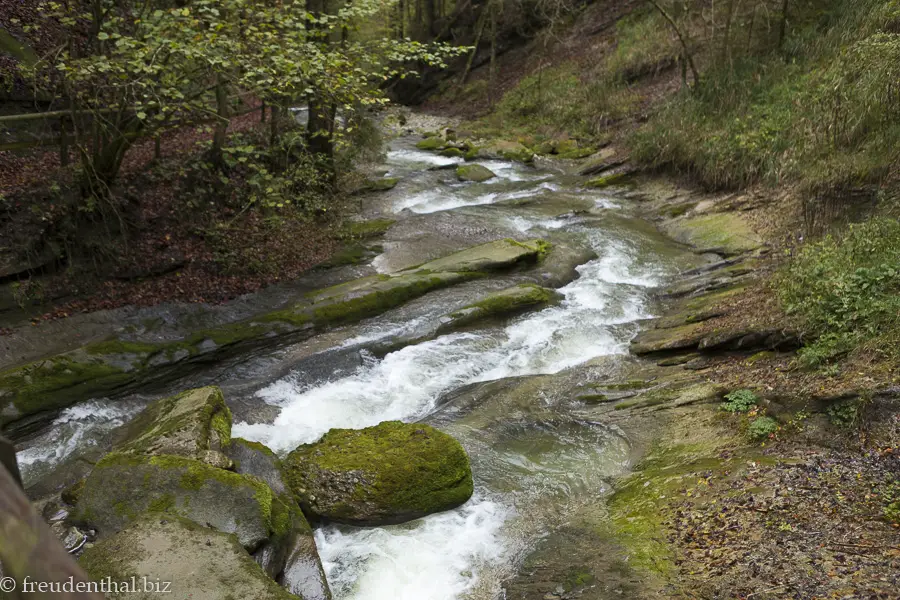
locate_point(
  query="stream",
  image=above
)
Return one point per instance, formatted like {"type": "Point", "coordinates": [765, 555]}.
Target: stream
{"type": "Point", "coordinates": [505, 390]}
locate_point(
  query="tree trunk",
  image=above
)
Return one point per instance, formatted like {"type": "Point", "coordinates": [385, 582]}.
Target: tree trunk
{"type": "Point", "coordinates": [782, 30]}
{"type": "Point", "coordinates": [479, 27]}
{"type": "Point", "coordinates": [688, 56]}
{"type": "Point", "coordinates": [221, 131]}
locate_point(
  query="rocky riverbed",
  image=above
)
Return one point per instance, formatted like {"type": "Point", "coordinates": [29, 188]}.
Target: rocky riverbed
{"type": "Point", "coordinates": [516, 393]}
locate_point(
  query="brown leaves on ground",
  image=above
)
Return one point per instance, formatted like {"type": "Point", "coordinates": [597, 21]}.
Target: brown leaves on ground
{"type": "Point", "coordinates": [174, 252]}
{"type": "Point", "coordinates": [806, 527]}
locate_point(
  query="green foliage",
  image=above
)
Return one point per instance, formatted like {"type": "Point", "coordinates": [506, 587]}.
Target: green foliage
{"type": "Point", "coordinates": [144, 67]}
{"type": "Point", "coordinates": [845, 290]}
{"type": "Point", "coordinates": [891, 496]}
{"type": "Point", "coordinates": [559, 100]}
{"type": "Point", "coordinates": [762, 428]}
{"type": "Point", "coordinates": [740, 401]}
{"type": "Point", "coordinates": [844, 414]}
{"type": "Point", "coordinates": [644, 46]}
{"type": "Point", "coordinates": [824, 118]}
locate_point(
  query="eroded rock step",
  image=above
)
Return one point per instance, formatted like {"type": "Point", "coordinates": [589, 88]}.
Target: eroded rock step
{"type": "Point", "coordinates": [30, 394]}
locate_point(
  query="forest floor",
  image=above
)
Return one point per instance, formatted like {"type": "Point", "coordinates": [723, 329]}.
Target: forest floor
{"type": "Point", "coordinates": [180, 247]}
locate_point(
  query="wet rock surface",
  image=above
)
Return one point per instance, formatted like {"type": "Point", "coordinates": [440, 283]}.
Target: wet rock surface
{"type": "Point", "coordinates": [391, 473]}
{"type": "Point", "coordinates": [199, 562]}
{"type": "Point", "coordinates": [122, 487]}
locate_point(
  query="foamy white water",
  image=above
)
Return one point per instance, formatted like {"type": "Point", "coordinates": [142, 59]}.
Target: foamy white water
{"type": "Point", "coordinates": [456, 195]}
{"type": "Point", "coordinates": [405, 384]}
{"type": "Point", "coordinates": [76, 427]}
{"type": "Point", "coordinates": [441, 557]}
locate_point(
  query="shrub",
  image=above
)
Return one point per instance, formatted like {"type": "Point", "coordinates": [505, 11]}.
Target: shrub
{"type": "Point", "coordinates": [644, 46]}
{"type": "Point", "coordinates": [556, 100]}
{"type": "Point", "coordinates": [762, 428]}
{"type": "Point", "coordinates": [827, 118]}
{"type": "Point", "coordinates": [891, 496]}
{"type": "Point", "coordinates": [844, 414]}
{"type": "Point", "coordinates": [845, 290]}
{"type": "Point", "coordinates": [740, 401]}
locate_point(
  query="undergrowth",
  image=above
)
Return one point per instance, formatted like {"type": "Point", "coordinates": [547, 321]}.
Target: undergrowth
{"type": "Point", "coordinates": [823, 110]}
{"type": "Point", "coordinates": [846, 290]}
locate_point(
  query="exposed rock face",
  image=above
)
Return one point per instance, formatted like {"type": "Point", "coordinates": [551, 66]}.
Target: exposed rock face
{"type": "Point", "coordinates": [122, 487]}
{"type": "Point", "coordinates": [493, 256]}
{"type": "Point", "coordinates": [193, 424]}
{"type": "Point", "coordinates": [477, 173]}
{"type": "Point", "coordinates": [503, 303]}
{"type": "Point", "coordinates": [289, 556]}
{"type": "Point", "coordinates": [724, 233]}
{"type": "Point", "coordinates": [253, 458]}
{"type": "Point", "coordinates": [391, 473]}
{"type": "Point", "coordinates": [201, 563]}
{"type": "Point", "coordinates": [303, 573]}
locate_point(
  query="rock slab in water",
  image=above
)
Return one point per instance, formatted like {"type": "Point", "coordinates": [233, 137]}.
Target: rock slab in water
{"type": "Point", "coordinates": [202, 564]}
{"type": "Point", "coordinates": [103, 368]}
{"type": "Point", "coordinates": [386, 474]}
{"type": "Point", "coordinates": [122, 487]}
{"type": "Point", "coordinates": [476, 173]}
{"type": "Point", "coordinates": [193, 424]}
{"type": "Point", "coordinates": [503, 303]}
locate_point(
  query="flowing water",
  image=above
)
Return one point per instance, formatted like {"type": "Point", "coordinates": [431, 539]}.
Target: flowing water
{"type": "Point", "coordinates": [534, 456]}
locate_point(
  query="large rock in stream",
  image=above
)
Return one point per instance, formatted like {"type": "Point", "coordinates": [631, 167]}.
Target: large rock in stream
{"type": "Point", "coordinates": [477, 173]}
{"type": "Point", "coordinates": [386, 474]}
{"type": "Point", "coordinates": [194, 424]}
{"type": "Point", "coordinates": [122, 487]}
{"type": "Point", "coordinates": [200, 563]}
{"type": "Point", "coordinates": [505, 303]}
{"type": "Point", "coordinates": [291, 557]}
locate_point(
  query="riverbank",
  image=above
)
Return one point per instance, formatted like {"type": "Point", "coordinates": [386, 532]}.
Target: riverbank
{"type": "Point", "coordinates": [790, 495]}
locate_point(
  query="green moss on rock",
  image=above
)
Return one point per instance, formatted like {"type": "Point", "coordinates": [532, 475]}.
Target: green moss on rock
{"type": "Point", "coordinates": [187, 424]}
{"type": "Point", "coordinates": [431, 143]}
{"type": "Point", "coordinates": [390, 473]}
{"type": "Point", "coordinates": [56, 382]}
{"type": "Point", "coordinates": [504, 303]}
{"type": "Point", "coordinates": [123, 486]}
{"type": "Point", "coordinates": [200, 563]}
{"type": "Point", "coordinates": [476, 173]}
{"type": "Point", "coordinates": [726, 233]}
{"type": "Point", "coordinates": [606, 181]}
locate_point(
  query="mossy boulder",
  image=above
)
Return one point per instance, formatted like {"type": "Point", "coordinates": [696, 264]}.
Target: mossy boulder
{"type": "Point", "coordinates": [194, 424]}
{"type": "Point", "coordinates": [506, 150]}
{"type": "Point", "coordinates": [728, 234]}
{"type": "Point", "coordinates": [504, 303]}
{"type": "Point", "coordinates": [390, 473]}
{"type": "Point", "coordinates": [122, 487]}
{"type": "Point", "coordinates": [200, 563]}
{"type": "Point", "coordinates": [477, 173]}
{"type": "Point", "coordinates": [431, 143]}
{"type": "Point", "coordinates": [381, 185]}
